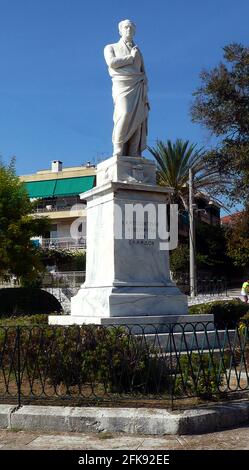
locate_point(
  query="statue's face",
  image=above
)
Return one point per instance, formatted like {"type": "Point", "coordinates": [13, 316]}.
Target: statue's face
{"type": "Point", "coordinates": [127, 31]}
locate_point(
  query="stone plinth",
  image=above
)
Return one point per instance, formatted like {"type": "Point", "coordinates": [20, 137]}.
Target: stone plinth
{"type": "Point", "coordinates": [127, 273]}
{"type": "Point", "coordinates": [146, 324]}
{"type": "Point", "coordinates": [127, 170]}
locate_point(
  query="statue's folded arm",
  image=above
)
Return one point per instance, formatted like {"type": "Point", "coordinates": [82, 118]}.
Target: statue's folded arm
{"type": "Point", "coordinates": [114, 62]}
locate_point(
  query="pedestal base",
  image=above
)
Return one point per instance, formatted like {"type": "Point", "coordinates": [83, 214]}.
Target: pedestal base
{"type": "Point", "coordinates": [126, 169]}
{"type": "Point", "coordinates": [102, 302]}
{"type": "Point", "coordinates": [127, 269]}
{"type": "Point", "coordinates": [125, 305]}
{"type": "Point", "coordinates": [148, 325]}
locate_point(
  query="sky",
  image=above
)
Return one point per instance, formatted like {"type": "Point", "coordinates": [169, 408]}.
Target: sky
{"type": "Point", "coordinates": [55, 91]}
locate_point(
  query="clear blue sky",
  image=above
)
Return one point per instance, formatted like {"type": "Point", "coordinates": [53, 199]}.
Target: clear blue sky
{"type": "Point", "coordinates": [55, 92]}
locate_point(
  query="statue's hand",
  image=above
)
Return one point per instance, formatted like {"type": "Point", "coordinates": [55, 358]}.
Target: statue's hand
{"type": "Point", "coordinates": [134, 52]}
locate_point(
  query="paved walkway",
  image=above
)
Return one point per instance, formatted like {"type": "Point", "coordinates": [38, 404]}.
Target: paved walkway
{"type": "Point", "coordinates": [233, 439]}
{"type": "Point", "coordinates": [200, 299]}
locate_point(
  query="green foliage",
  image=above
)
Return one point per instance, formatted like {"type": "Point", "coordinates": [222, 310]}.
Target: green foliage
{"type": "Point", "coordinates": [237, 239]}
{"type": "Point", "coordinates": [226, 313]}
{"type": "Point", "coordinates": [63, 259]}
{"type": "Point", "coordinates": [24, 301]}
{"type": "Point", "coordinates": [24, 320]}
{"type": "Point", "coordinates": [211, 249]}
{"type": "Point", "coordinates": [88, 355]}
{"type": "Point", "coordinates": [91, 359]}
{"type": "Point", "coordinates": [30, 282]}
{"type": "Point", "coordinates": [174, 162]}
{"type": "Point", "coordinates": [18, 256]}
{"type": "Point", "coordinates": [211, 253]}
{"type": "Point", "coordinates": [179, 260]}
{"type": "Point", "coordinates": [245, 317]}
{"type": "Point", "coordinates": [222, 105]}
{"type": "Point", "coordinates": [199, 375]}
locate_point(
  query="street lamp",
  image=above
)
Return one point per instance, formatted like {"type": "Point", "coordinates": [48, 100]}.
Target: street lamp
{"type": "Point", "coordinates": [192, 266]}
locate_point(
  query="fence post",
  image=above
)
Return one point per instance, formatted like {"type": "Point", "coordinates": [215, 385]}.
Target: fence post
{"type": "Point", "coordinates": [18, 365]}
{"type": "Point", "coordinates": [171, 368]}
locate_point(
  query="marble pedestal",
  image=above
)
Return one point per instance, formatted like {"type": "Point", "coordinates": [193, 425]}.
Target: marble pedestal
{"type": "Point", "coordinates": [126, 276]}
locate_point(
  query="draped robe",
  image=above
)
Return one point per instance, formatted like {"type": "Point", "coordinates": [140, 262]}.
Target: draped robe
{"type": "Point", "coordinates": [129, 93]}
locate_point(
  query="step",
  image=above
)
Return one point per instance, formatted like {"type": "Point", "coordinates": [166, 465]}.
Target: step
{"type": "Point", "coordinates": [141, 324]}
{"type": "Point", "coordinates": [192, 341]}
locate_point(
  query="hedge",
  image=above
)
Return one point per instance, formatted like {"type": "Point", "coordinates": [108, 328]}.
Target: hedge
{"type": "Point", "coordinates": [104, 360]}
{"type": "Point", "coordinates": [226, 313]}
{"type": "Point", "coordinates": [26, 300]}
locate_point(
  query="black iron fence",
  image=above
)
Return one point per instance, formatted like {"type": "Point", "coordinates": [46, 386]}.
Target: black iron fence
{"type": "Point", "coordinates": [204, 286]}
{"type": "Point", "coordinates": [101, 364]}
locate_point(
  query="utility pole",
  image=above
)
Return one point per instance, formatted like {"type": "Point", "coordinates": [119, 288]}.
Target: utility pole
{"type": "Point", "coordinates": [192, 272]}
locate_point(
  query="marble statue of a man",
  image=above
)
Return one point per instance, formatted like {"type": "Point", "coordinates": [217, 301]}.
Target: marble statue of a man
{"type": "Point", "coordinates": [129, 91]}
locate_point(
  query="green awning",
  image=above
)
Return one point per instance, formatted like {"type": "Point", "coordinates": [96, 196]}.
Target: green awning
{"type": "Point", "coordinates": [60, 187]}
{"type": "Point", "coordinates": [41, 188]}
{"type": "Point", "coordinates": [73, 186]}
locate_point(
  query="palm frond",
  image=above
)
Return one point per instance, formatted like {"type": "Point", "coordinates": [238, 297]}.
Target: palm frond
{"type": "Point", "coordinates": [174, 160]}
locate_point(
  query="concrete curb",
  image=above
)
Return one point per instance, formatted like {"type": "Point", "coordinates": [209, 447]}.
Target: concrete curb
{"type": "Point", "coordinates": [126, 420]}
{"type": "Point", "coordinates": [5, 415]}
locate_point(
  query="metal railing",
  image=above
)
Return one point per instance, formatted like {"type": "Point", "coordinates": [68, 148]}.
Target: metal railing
{"type": "Point", "coordinates": [9, 282]}
{"type": "Point", "coordinates": [100, 364]}
{"type": "Point", "coordinates": [76, 206]}
{"type": "Point", "coordinates": [67, 243]}
{"type": "Point", "coordinates": [63, 279]}
{"type": "Point", "coordinates": [54, 279]}
{"type": "Point", "coordinates": [204, 287]}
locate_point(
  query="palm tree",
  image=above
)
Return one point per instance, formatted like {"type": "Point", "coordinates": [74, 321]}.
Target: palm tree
{"type": "Point", "coordinates": [174, 161]}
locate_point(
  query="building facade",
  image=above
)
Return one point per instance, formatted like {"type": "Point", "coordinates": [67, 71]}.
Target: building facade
{"type": "Point", "coordinates": [56, 192]}
{"type": "Point", "coordinates": [56, 195]}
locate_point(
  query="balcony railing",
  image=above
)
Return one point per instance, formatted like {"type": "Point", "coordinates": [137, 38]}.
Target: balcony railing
{"type": "Point", "coordinates": [59, 208]}
{"type": "Point", "coordinates": [66, 243]}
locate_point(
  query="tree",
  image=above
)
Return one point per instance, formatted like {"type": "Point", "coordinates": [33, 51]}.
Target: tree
{"type": "Point", "coordinates": [64, 260]}
{"type": "Point", "coordinates": [222, 106]}
{"type": "Point", "coordinates": [211, 249]}
{"type": "Point", "coordinates": [237, 235]}
{"type": "Point", "coordinates": [18, 255]}
{"type": "Point", "coordinates": [174, 161]}
{"type": "Point", "coordinates": [211, 254]}
{"type": "Point", "coordinates": [179, 260]}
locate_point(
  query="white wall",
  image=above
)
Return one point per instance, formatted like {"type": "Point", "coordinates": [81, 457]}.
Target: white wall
{"type": "Point", "coordinates": [63, 228]}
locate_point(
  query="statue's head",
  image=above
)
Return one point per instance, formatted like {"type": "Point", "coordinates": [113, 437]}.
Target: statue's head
{"type": "Point", "coordinates": [127, 29]}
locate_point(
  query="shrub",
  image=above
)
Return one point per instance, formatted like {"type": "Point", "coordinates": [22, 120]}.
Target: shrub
{"type": "Point", "coordinates": [87, 355]}
{"type": "Point", "coordinates": [64, 260]}
{"type": "Point", "coordinates": [179, 260]}
{"type": "Point", "coordinates": [92, 359]}
{"type": "Point", "coordinates": [198, 375]}
{"type": "Point", "coordinates": [22, 301]}
{"type": "Point", "coordinates": [226, 313]}
{"type": "Point", "coordinates": [24, 320]}
{"type": "Point", "coordinates": [245, 317]}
